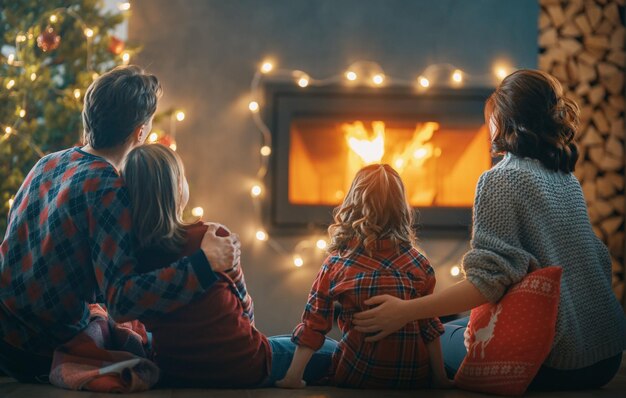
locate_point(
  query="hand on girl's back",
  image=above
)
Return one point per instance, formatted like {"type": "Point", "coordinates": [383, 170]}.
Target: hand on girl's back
{"type": "Point", "coordinates": [221, 248]}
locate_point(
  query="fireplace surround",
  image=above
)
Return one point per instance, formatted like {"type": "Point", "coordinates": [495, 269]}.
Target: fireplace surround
{"type": "Point", "coordinates": [321, 136]}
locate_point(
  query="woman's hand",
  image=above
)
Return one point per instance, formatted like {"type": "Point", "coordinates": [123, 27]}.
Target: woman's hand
{"type": "Point", "coordinates": [390, 315]}
{"type": "Point", "coordinates": [291, 383]}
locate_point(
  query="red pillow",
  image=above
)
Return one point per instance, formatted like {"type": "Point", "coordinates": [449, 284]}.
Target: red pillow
{"type": "Point", "coordinates": [509, 340]}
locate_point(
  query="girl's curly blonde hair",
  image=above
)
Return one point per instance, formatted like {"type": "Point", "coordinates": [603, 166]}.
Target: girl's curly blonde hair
{"type": "Point", "coordinates": [374, 208]}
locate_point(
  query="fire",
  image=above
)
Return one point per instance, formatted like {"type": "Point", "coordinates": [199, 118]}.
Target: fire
{"type": "Point", "coordinates": [369, 150]}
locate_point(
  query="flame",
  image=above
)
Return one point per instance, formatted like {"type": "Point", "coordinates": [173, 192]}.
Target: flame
{"type": "Point", "coordinates": [369, 150]}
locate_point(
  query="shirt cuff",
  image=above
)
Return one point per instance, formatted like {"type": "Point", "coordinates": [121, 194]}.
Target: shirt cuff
{"type": "Point", "coordinates": [202, 268]}
{"type": "Point", "coordinates": [304, 336]}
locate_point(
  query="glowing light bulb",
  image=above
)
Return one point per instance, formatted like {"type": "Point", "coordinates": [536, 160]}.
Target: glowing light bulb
{"type": "Point", "coordinates": [8, 130]}
{"type": "Point", "coordinates": [321, 244]}
{"type": "Point", "coordinates": [76, 93]}
{"type": "Point", "coordinates": [180, 116]}
{"type": "Point", "coordinates": [420, 153]}
{"type": "Point", "coordinates": [253, 106]}
{"type": "Point", "coordinates": [303, 82]}
{"type": "Point", "coordinates": [501, 72]}
{"type": "Point", "coordinates": [266, 150]}
{"type": "Point", "coordinates": [351, 75]}
{"type": "Point", "coordinates": [22, 113]}
{"type": "Point", "coordinates": [10, 59]}
{"type": "Point", "coordinates": [88, 32]}
{"type": "Point", "coordinates": [123, 6]}
{"type": "Point", "coordinates": [10, 202]}
{"type": "Point", "coordinates": [94, 76]}
{"type": "Point", "coordinates": [153, 137]}
{"type": "Point", "coordinates": [125, 57]}
{"type": "Point", "coordinates": [53, 18]}
{"type": "Point", "coordinates": [424, 82]}
{"type": "Point", "coordinates": [33, 76]}
{"type": "Point", "coordinates": [399, 163]}
{"type": "Point", "coordinates": [197, 211]}
{"type": "Point", "coordinates": [267, 67]}
{"type": "Point", "coordinates": [256, 191]}
{"type": "Point", "coordinates": [455, 270]}
{"type": "Point", "coordinates": [457, 76]}
{"type": "Point", "coordinates": [298, 261]}
{"type": "Point", "coordinates": [378, 79]}
{"type": "Point", "coordinates": [261, 235]}
{"type": "Point", "coordinates": [20, 38]}
{"type": "Point", "coordinates": [10, 84]}
{"type": "Point", "coordinates": [173, 146]}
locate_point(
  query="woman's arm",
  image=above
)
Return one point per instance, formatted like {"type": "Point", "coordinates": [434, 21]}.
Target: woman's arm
{"type": "Point", "coordinates": [294, 376]}
{"type": "Point", "coordinates": [392, 313]}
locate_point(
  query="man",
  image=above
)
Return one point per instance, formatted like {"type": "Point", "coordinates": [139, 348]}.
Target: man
{"type": "Point", "coordinates": [69, 242]}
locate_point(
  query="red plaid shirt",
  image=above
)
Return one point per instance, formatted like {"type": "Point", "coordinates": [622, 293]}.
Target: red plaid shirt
{"type": "Point", "coordinates": [400, 360]}
{"type": "Point", "coordinates": [69, 243]}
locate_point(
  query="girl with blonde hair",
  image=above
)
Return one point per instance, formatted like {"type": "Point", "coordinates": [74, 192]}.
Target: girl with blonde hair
{"type": "Point", "coordinates": [371, 252]}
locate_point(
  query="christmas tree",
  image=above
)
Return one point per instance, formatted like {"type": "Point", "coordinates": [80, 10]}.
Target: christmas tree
{"type": "Point", "coordinates": [51, 51]}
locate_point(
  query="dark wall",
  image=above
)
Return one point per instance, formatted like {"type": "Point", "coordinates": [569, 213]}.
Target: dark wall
{"type": "Point", "coordinates": [206, 52]}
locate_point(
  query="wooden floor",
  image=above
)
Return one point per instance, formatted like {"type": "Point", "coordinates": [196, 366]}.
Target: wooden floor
{"type": "Point", "coordinates": [11, 389]}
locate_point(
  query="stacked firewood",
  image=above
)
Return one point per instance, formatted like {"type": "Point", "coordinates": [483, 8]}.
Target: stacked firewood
{"type": "Point", "coordinates": [582, 44]}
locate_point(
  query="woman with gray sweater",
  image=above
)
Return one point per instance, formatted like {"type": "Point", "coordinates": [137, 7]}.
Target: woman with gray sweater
{"type": "Point", "coordinates": [529, 213]}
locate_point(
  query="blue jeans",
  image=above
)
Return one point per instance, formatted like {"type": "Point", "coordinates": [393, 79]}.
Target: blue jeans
{"type": "Point", "coordinates": [282, 353]}
{"type": "Point", "coordinates": [453, 345]}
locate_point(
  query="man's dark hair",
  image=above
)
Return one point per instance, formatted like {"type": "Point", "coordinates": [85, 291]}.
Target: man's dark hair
{"type": "Point", "coordinates": [116, 103]}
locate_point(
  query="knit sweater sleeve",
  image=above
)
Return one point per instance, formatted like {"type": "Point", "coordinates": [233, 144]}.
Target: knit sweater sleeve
{"type": "Point", "coordinates": [496, 259]}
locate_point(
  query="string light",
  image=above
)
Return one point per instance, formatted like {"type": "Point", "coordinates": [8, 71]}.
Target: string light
{"type": "Point", "coordinates": [267, 67]}
{"type": "Point", "coordinates": [303, 81]}
{"type": "Point", "coordinates": [10, 84]}
{"type": "Point", "coordinates": [378, 79]}
{"type": "Point", "coordinates": [94, 76]}
{"type": "Point", "coordinates": [501, 71]}
{"type": "Point", "coordinates": [153, 137]}
{"type": "Point", "coordinates": [22, 113]}
{"type": "Point", "coordinates": [457, 76]}
{"type": "Point", "coordinates": [424, 82]}
{"type": "Point", "coordinates": [261, 235]}
{"type": "Point", "coordinates": [53, 18]}
{"type": "Point", "coordinates": [455, 270]}
{"type": "Point", "coordinates": [298, 261]}
{"type": "Point", "coordinates": [253, 106]}
{"type": "Point", "coordinates": [20, 38]}
{"type": "Point", "coordinates": [33, 76]}
{"type": "Point", "coordinates": [76, 93]}
{"type": "Point", "coordinates": [173, 146]}
{"type": "Point", "coordinates": [8, 130]}
{"type": "Point", "coordinates": [88, 32]}
{"type": "Point", "coordinates": [10, 202]}
{"type": "Point", "coordinates": [180, 116]}
{"type": "Point", "coordinates": [197, 211]}
{"type": "Point", "coordinates": [321, 244]}
{"type": "Point", "coordinates": [10, 59]}
{"type": "Point", "coordinates": [265, 150]}
{"type": "Point", "coordinates": [351, 75]}
{"type": "Point", "coordinates": [123, 6]}
{"type": "Point", "coordinates": [256, 191]}
{"type": "Point", "coordinates": [125, 57]}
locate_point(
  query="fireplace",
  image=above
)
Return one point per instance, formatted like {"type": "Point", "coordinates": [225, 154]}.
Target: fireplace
{"type": "Point", "coordinates": [435, 139]}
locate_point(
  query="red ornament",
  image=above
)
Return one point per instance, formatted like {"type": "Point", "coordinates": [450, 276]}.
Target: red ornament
{"type": "Point", "coordinates": [166, 140]}
{"type": "Point", "coordinates": [48, 40]}
{"type": "Point", "coordinates": [116, 45]}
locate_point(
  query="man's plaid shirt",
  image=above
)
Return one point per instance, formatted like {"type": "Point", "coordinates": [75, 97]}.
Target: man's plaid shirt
{"type": "Point", "coordinates": [69, 243]}
{"type": "Point", "coordinates": [400, 360]}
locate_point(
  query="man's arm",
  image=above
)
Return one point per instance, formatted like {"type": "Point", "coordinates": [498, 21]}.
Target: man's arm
{"type": "Point", "coordinates": [129, 295]}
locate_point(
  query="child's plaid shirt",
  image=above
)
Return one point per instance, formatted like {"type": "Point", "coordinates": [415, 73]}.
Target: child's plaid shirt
{"type": "Point", "coordinates": [400, 360]}
{"type": "Point", "coordinates": [68, 244]}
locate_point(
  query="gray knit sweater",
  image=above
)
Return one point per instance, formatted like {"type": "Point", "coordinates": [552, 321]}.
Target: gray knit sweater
{"type": "Point", "coordinates": [526, 214]}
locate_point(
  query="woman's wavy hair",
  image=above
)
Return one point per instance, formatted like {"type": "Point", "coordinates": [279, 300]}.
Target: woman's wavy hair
{"type": "Point", "coordinates": [153, 175]}
{"type": "Point", "coordinates": [534, 119]}
{"type": "Point", "coordinates": [374, 208]}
